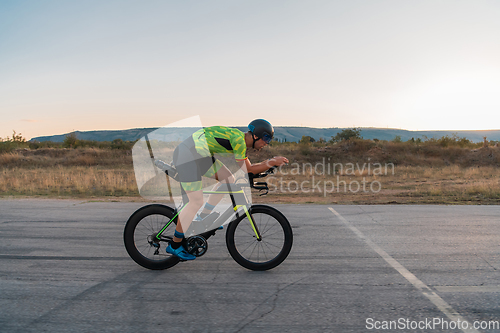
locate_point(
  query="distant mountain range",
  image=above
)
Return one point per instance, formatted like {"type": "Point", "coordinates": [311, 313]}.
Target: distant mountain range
{"type": "Point", "coordinates": [290, 134]}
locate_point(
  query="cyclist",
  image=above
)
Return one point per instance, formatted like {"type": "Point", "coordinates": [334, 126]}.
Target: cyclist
{"type": "Point", "coordinates": [194, 158]}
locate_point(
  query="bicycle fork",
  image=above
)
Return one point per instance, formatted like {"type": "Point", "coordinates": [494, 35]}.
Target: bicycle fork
{"type": "Point", "coordinates": [252, 222]}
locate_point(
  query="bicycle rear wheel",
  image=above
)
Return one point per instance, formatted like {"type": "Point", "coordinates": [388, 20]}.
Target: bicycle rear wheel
{"type": "Point", "coordinates": [140, 237]}
{"type": "Point", "coordinates": [274, 246]}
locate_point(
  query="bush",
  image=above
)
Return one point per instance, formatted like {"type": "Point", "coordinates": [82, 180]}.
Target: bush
{"type": "Point", "coordinates": [451, 141]}
{"type": "Point", "coordinates": [70, 140]}
{"type": "Point", "coordinates": [347, 134]}
{"type": "Point", "coordinates": [307, 139]}
{"type": "Point", "coordinates": [305, 149]}
{"type": "Point", "coordinates": [397, 139]}
{"type": "Point", "coordinates": [9, 144]}
{"type": "Point", "coordinates": [44, 144]}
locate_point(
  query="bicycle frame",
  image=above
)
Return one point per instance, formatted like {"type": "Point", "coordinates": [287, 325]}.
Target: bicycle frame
{"type": "Point", "coordinates": [223, 217]}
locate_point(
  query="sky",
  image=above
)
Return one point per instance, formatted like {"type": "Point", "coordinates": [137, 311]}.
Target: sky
{"type": "Point", "coordinates": [112, 65]}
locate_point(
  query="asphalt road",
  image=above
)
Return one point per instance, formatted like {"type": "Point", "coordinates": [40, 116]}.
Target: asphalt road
{"type": "Point", "coordinates": [63, 268]}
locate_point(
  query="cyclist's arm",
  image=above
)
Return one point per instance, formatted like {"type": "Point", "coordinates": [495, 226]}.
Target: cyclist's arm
{"type": "Point", "coordinates": [262, 166]}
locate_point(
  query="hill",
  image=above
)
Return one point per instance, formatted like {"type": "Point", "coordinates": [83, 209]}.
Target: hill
{"type": "Point", "coordinates": [285, 133]}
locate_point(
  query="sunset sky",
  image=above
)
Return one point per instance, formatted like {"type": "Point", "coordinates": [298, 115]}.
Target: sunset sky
{"type": "Point", "coordinates": [97, 65]}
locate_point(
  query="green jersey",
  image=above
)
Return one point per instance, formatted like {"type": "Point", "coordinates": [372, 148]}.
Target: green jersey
{"type": "Point", "coordinates": [220, 140]}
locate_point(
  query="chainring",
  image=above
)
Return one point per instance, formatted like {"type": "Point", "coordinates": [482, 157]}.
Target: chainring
{"type": "Point", "coordinates": [197, 245]}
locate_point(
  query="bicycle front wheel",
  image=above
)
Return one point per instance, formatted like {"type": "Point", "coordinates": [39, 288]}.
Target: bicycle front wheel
{"type": "Point", "coordinates": [140, 237]}
{"type": "Point", "coordinates": [274, 246]}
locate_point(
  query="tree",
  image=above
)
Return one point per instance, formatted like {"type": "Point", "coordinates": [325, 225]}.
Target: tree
{"type": "Point", "coordinates": [9, 144]}
{"type": "Point", "coordinates": [347, 134]}
{"type": "Point", "coordinates": [397, 139]}
{"type": "Point", "coordinates": [16, 138]}
{"type": "Point", "coordinates": [70, 140]}
{"type": "Point", "coordinates": [117, 144]}
{"type": "Point", "coordinates": [307, 139]}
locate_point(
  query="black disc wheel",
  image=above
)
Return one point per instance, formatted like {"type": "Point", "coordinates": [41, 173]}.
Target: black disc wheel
{"type": "Point", "coordinates": [140, 237]}
{"type": "Point", "coordinates": [273, 247]}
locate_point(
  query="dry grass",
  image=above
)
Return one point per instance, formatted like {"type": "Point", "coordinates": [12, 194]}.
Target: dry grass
{"type": "Point", "coordinates": [53, 157]}
{"type": "Point", "coordinates": [441, 185]}
{"type": "Point", "coordinates": [68, 181]}
{"type": "Point", "coordinates": [420, 175]}
{"type": "Point", "coordinates": [67, 172]}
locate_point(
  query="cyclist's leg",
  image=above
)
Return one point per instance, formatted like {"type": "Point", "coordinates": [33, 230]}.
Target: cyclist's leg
{"type": "Point", "coordinates": [223, 175]}
{"type": "Point", "coordinates": [179, 247]}
{"type": "Point", "coordinates": [190, 166]}
{"type": "Point", "coordinates": [188, 212]}
{"type": "Point", "coordinates": [188, 163]}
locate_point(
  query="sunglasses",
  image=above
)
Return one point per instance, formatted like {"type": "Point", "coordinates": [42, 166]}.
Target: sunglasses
{"type": "Point", "coordinates": [267, 138]}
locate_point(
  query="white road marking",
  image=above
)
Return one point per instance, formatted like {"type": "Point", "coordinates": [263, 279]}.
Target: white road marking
{"type": "Point", "coordinates": [468, 289]}
{"type": "Point", "coordinates": [441, 304]}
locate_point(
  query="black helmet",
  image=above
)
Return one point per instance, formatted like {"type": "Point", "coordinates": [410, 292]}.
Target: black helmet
{"type": "Point", "coordinates": [262, 129]}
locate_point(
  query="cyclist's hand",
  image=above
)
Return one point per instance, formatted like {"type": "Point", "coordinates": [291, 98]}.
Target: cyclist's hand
{"type": "Point", "coordinates": [278, 161]}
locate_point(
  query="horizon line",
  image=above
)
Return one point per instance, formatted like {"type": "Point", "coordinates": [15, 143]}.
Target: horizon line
{"type": "Point", "coordinates": [379, 128]}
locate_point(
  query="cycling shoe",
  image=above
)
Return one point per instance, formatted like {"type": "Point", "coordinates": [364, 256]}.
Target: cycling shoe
{"type": "Point", "coordinates": [180, 252]}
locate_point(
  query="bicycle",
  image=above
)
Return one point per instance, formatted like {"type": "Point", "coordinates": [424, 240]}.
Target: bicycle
{"type": "Point", "coordinates": [258, 238]}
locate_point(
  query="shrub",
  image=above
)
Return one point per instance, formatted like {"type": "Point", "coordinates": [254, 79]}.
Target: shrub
{"type": "Point", "coordinates": [397, 139]}
{"type": "Point", "coordinates": [307, 139]}
{"type": "Point", "coordinates": [70, 140]}
{"type": "Point", "coordinates": [9, 144]}
{"type": "Point", "coordinates": [44, 144]}
{"type": "Point", "coordinates": [347, 134]}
